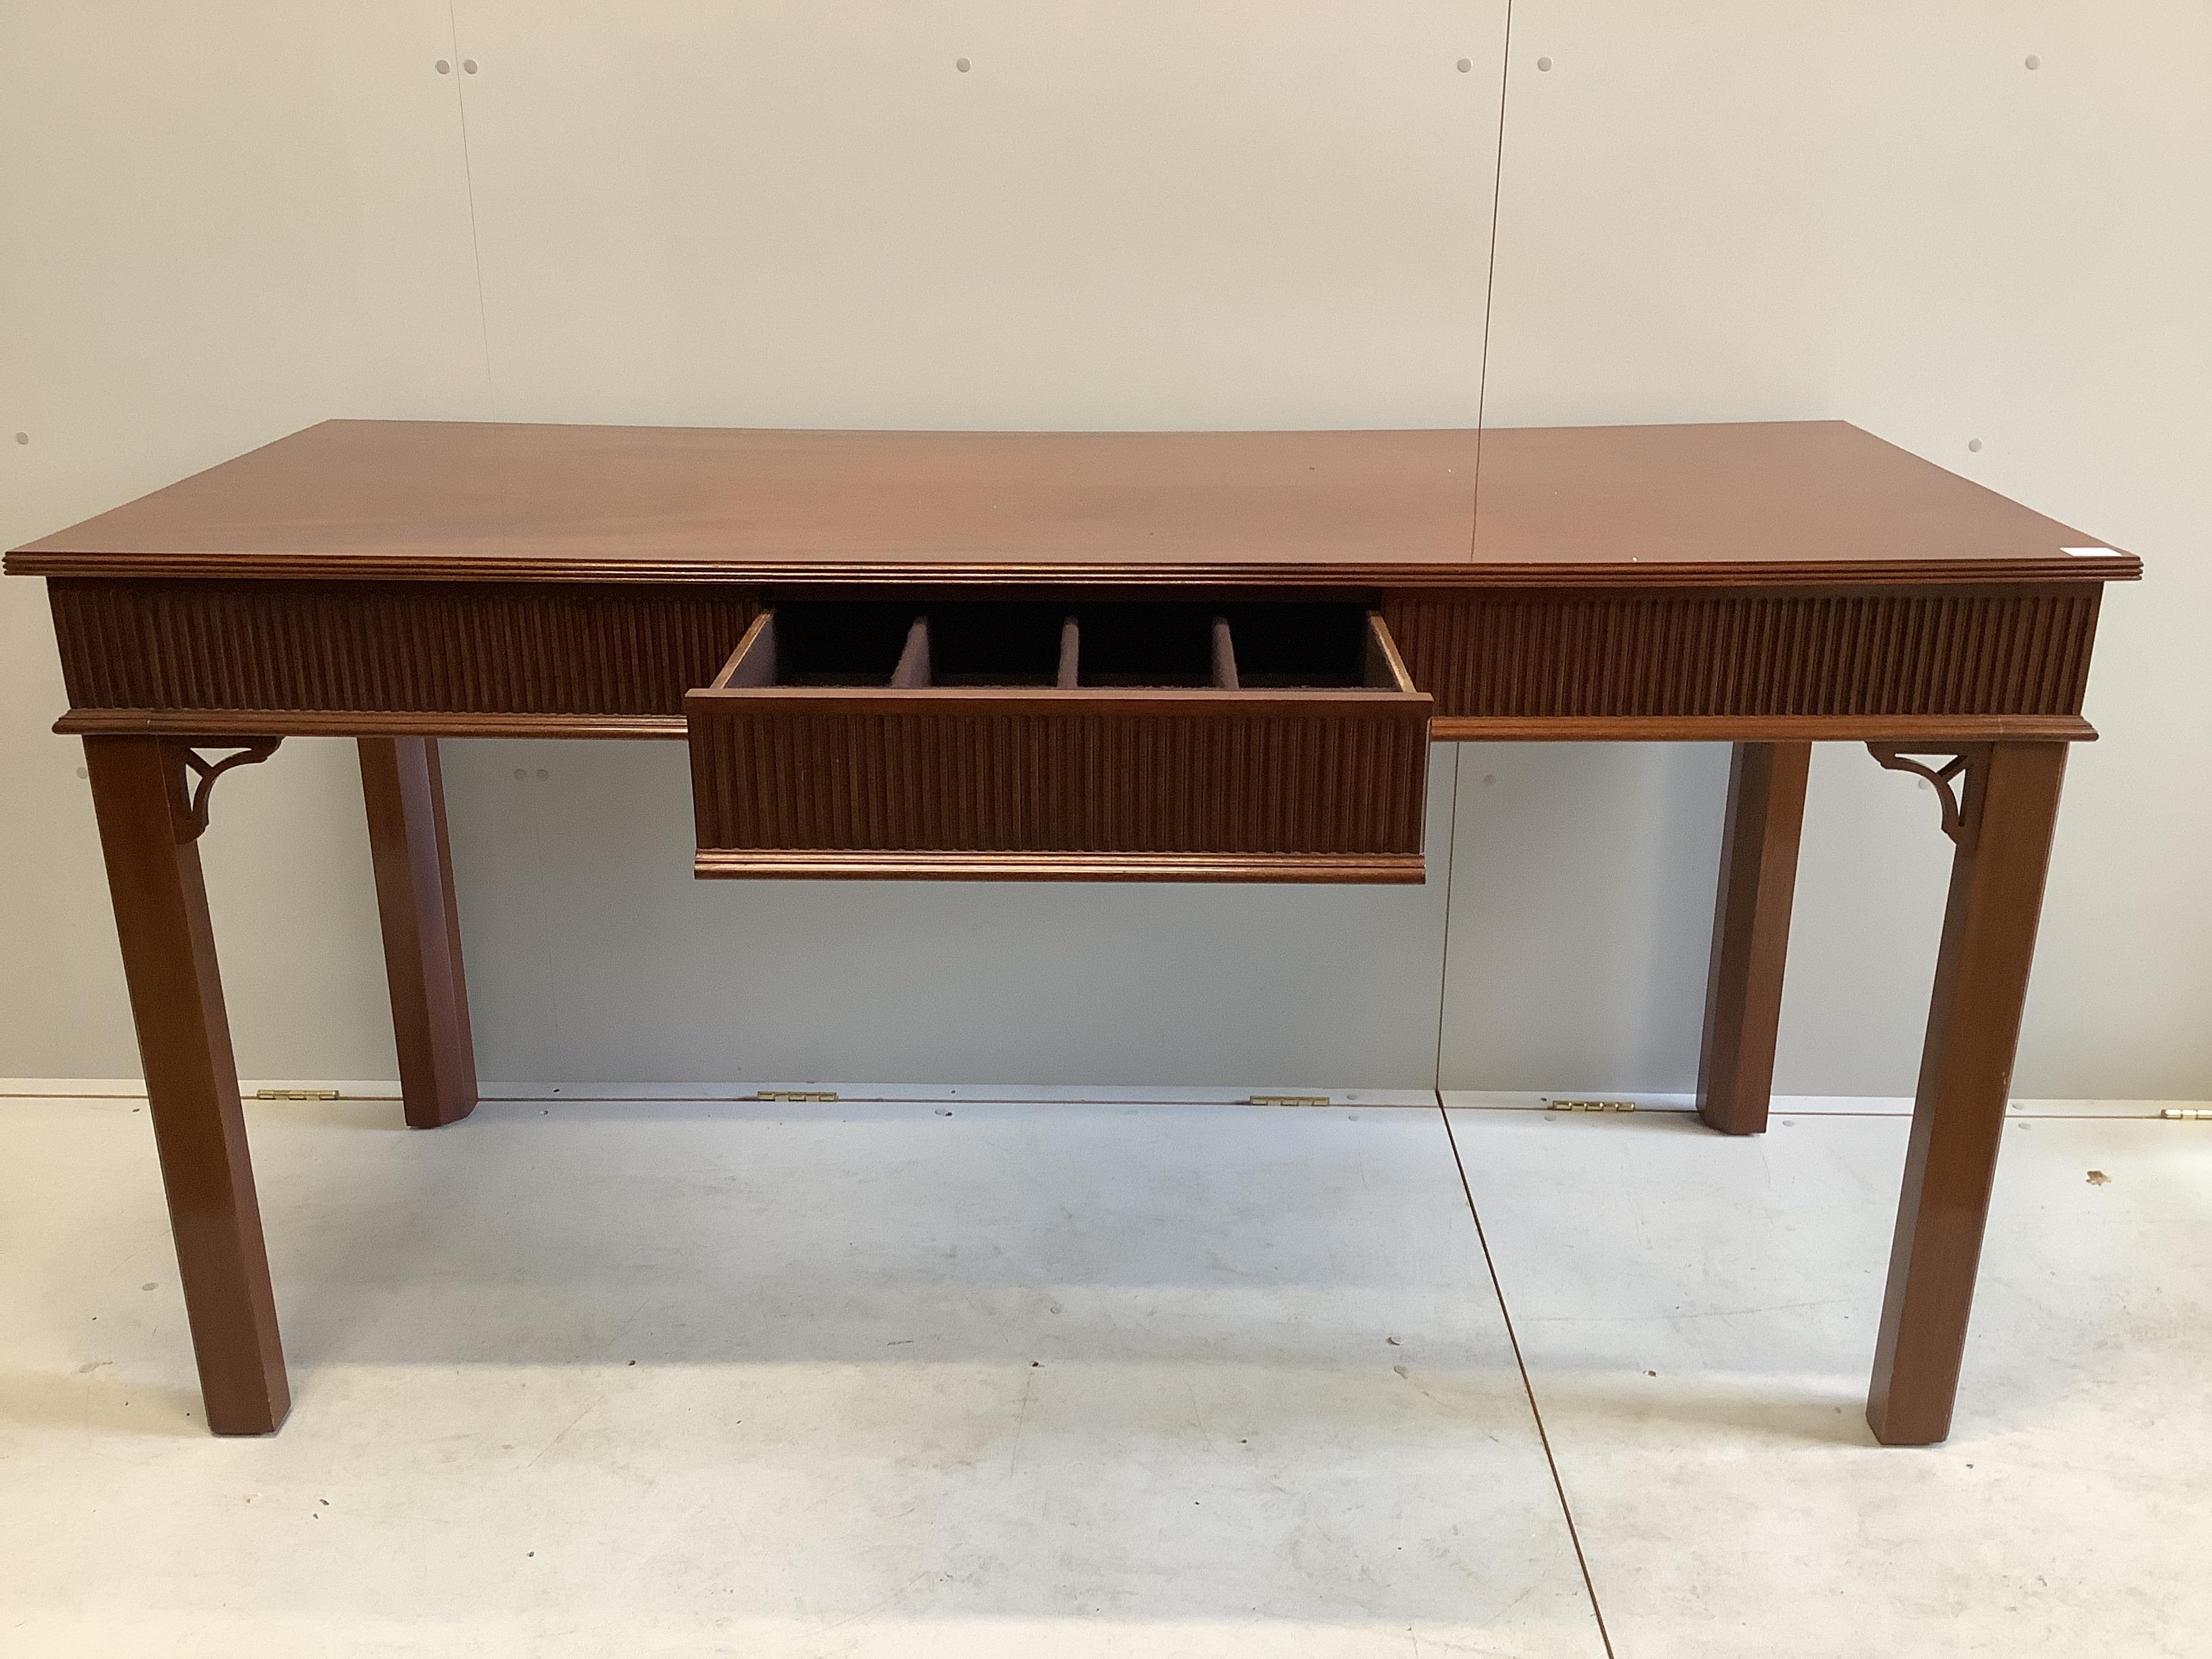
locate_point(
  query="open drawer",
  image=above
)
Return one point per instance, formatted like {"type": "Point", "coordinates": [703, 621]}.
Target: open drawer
{"type": "Point", "coordinates": [1083, 741]}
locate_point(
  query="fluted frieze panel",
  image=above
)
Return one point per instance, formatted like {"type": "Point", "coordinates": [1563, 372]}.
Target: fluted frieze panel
{"type": "Point", "coordinates": [425, 648]}
{"type": "Point", "coordinates": [1630, 655]}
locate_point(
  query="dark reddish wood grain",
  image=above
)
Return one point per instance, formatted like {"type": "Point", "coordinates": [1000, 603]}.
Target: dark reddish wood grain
{"type": "Point", "coordinates": [2010, 806]}
{"type": "Point", "coordinates": [1802, 500]}
{"type": "Point", "coordinates": [405, 794]}
{"type": "Point", "coordinates": [1082, 783]}
{"type": "Point", "coordinates": [1584, 654]}
{"type": "Point", "coordinates": [464, 658]}
{"type": "Point", "coordinates": [1751, 933]}
{"type": "Point", "coordinates": [147, 833]}
{"type": "Point", "coordinates": [506, 651]}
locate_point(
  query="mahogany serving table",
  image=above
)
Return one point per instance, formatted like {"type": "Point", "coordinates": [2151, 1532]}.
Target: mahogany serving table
{"type": "Point", "coordinates": [1148, 656]}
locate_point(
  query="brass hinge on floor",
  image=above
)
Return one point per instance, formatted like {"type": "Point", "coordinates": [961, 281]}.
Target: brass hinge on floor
{"type": "Point", "coordinates": [295, 1094]}
{"type": "Point", "coordinates": [2187, 1113]}
{"type": "Point", "coordinates": [796, 1094]}
{"type": "Point", "coordinates": [1590, 1105]}
{"type": "Point", "coordinates": [1288, 1100]}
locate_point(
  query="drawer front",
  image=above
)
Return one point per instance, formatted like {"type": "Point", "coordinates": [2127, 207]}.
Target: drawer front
{"type": "Point", "coordinates": [1079, 768]}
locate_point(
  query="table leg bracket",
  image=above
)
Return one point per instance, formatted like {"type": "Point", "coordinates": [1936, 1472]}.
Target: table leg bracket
{"type": "Point", "coordinates": [1954, 781]}
{"type": "Point", "coordinates": [250, 751]}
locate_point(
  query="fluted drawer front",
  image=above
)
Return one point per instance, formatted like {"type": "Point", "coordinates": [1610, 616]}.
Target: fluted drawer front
{"type": "Point", "coordinates": [1069, 780]}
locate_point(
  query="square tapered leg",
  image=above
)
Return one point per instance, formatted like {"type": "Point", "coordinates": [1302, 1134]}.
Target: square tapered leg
{"type": "Point", "coordinates": [1751, 933]}
{"type": "Point", "coordinates": [2010, 806]}
{"type": "Point", "coordinates": [149, 837]}
{"type": "Point", "coordinates": [404, 793]}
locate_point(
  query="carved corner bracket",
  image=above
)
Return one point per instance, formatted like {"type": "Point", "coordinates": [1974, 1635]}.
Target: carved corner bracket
{"type": "Point", "coordinates": [1954, 781]}
{"type": "Point", "coordinates": [247, 752]}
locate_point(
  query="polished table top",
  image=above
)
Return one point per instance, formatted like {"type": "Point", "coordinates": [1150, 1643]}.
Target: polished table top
{"type": "Point", "coordinates": [1754, 504]}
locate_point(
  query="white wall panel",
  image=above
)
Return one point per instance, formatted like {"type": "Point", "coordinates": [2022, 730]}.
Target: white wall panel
{"type": "Point", "coordinates": [1576, 958]}
{"type": "Point", "coordinates": [797, 214]}
{"type": "Point", "coordinates": [2038, 277]}
{"type": "Point", "coordinates": [223, 224]}
{"type": "Point", "coordinates": [595, 955]}
{"type": "Point", "coordinates": [1147, 214]}
{"type": "Point", "coordinates": [1732, 210]}
{"type": "Point", "coordinates": [219, 224]}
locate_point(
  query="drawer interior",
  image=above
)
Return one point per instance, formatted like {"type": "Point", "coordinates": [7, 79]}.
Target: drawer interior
{"type": "Point", "coordinates": [1070, 737]}
{"type": "Point", "coordinates": [1193, 645]}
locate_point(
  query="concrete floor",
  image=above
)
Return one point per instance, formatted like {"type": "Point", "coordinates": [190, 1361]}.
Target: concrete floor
{"type": "Point", "coordinates": [970, 1377]}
